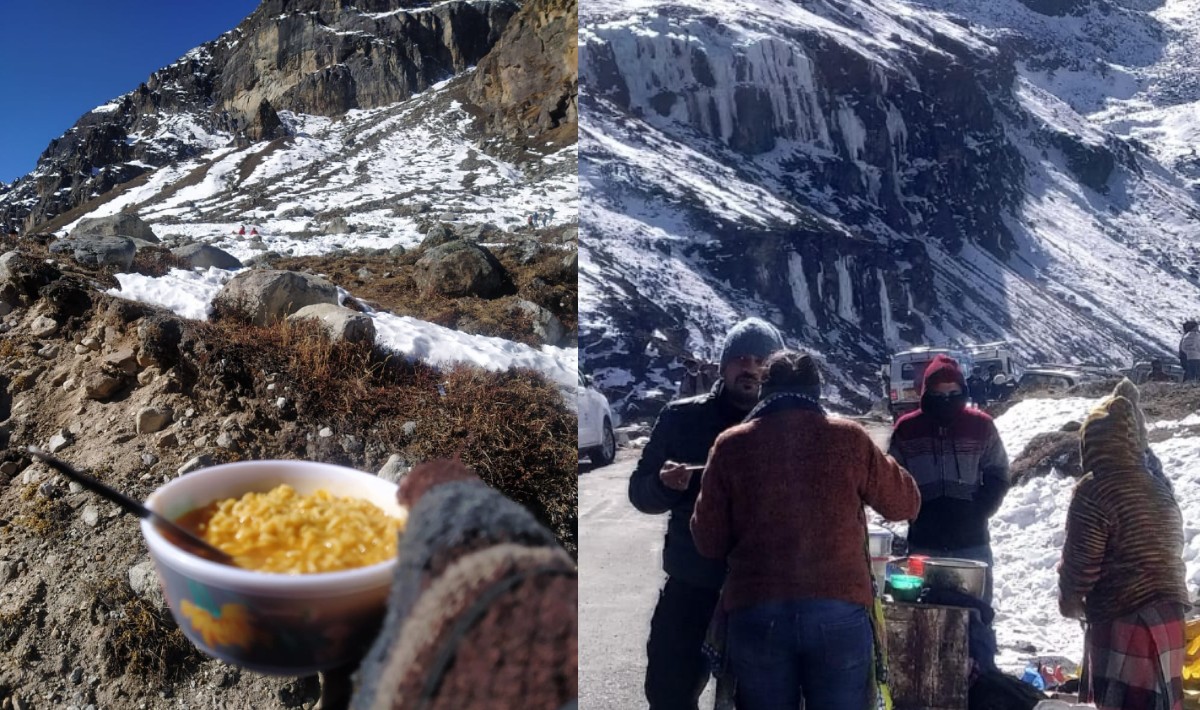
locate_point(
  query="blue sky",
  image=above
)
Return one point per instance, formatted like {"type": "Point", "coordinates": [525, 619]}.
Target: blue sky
{"type": "Point", "coordinates": [61, 58]}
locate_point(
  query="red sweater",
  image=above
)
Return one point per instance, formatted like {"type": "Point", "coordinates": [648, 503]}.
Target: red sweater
{"type": "Point", "coordinates": [782, 501]}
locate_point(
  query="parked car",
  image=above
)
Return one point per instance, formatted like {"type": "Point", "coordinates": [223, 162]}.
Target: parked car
{"type": "Point", "coordinates": [597, 440]}
{"type": "Point", "coordinates": [905, 374]}
{"type": "Point", "coordinates": [1141, 371]}
{"type": "Point", "coordinates": [1045, 377]}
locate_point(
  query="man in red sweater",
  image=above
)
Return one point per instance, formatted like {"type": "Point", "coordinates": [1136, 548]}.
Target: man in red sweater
{"type": "Point", "coordinates": [957, 458]}
{"type": "Point", "coordinates": [781, 502]}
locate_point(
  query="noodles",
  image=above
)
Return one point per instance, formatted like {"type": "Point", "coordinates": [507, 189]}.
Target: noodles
{"type": "Point", "coordinates": [284, 531]}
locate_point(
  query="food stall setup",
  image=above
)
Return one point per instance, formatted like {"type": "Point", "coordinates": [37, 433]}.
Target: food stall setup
{"type": "Point", "coordinates": [932, 617]}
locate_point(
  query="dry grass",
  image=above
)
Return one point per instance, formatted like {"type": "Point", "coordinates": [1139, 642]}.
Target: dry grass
{"type": "Point", "coordinates": [512, 427]}
{"type": "Point", "coordinates": [157, 261]}
{"type": "Point", "coordinates": [141, 638]}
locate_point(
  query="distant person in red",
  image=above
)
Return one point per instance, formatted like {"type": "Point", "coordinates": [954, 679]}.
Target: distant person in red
{"type": "Point", "coordinates": [242, 232]}
{"type": "Point", "coordinates": [958, 460]}
{"type": "Point", "coordinates": [254, 232]}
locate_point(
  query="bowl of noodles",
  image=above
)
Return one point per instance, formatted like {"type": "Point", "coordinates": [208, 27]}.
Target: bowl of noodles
{"type": "Point", "coordinates": [314, 547]}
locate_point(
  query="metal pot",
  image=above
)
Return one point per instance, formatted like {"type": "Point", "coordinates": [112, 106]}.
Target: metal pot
{"type": "Point", "coordinates": [955, 574]}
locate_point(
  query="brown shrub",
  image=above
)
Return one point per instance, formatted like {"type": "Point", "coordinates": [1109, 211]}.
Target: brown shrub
{"type": "Point", "coordinates": [157, 261]}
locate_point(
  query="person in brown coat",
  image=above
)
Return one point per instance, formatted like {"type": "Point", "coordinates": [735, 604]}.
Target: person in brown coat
{"type": "Point", "coordinates": [1122, 568]}
{"type": "Point", "coordinates": [781, 501]}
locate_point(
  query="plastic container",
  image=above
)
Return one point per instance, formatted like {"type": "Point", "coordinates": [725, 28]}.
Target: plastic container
{"type": "Point", "coordinates": [278, 624]}
{"type": "Point", "coordinates": [906, 587]}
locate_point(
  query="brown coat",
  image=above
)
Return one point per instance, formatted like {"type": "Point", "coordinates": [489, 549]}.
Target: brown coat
{"type": "Point", "coordinates": [1124, 544]}
{"type": "Point", "coordinates": [782, 500]}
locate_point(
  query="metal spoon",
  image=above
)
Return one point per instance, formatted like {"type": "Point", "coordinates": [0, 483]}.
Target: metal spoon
{"type": "Point", "coordinates": [178, 535]}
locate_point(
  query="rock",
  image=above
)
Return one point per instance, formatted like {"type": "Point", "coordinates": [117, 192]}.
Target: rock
{"type": "Point", "coordinates": [409, 428]}
{"type": "Point", "coordinates": [77, 676]}
{"type": "Point", "coordinates": [195, 464]}
{"type": "Point", "coordinates": [546, 326]}
{"type": "Point", "coordinates": [9, 469]}
{"type": "Point", "coordinates": [90, 343]}
{"type": "Point", "coordinates": [528, 251]}
{"type": "Point", "coordinates": [149, 460]}
{"type": "Point", "coordinates": [43, 327]}
{"type": "Point", "coordinates": [123, 361]}
{"type": "Point", "coordinates": [341, 323]}
{"type": "Point", "coordinates": [145, 377]}
{"type": "Point", "coordinates": [8, 572]}
{"type": "Point", "coordinates": [128, 225]}
{"type": "Point", "coordinates": [325, 432]}
{"type": "Point", "coordinates": [81, 349]}
{"type": "Point", "coordinates": [59, 441]}
{"type": "Point", "coordinates": [168, 440]}
{"type": "Point", "coordinates": [226, 440]}
{"type": "Point", "coordinates": [99, 251]}
{"type": "Point", "coordinates": [339, 225]}
{"type": "Point", "coordinates": [570, 263]}
{"type": "Point", "coordinates": [395, 468]}
{"type": "Point", "coordinates": [143, 580]}
{"type": "Point", "coordinates": [486, 232]}
{"type": "Point", "coordinates": [437, 235]}
{"type": "Point", "coordinates": [149, 420]}
{"type": "Point", "coordinates": [203, 256]}
{"type": "Point", "coordinates": [266, 296]}
{"type": "Point", "coordinates": [100, 386]}
{"type": "Point", "coordinates": [461, 269]}
{"type": "Point", "coordinates": [90, 515]}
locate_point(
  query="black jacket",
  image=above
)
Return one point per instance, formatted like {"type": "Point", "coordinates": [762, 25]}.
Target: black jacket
{"type": "Point", "coordinates": [684, 433]}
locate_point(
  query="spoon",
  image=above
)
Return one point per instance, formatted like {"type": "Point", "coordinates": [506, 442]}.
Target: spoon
{"type": "Point", "coordinates": [178, 535]}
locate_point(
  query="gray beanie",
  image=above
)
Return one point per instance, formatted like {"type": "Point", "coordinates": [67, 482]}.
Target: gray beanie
{"type": "Point", "coordinates": [752, 336]}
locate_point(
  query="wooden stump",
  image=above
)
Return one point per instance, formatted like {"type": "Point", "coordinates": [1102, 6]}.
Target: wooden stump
{"type": "Point", "coordinates": [928, 658]}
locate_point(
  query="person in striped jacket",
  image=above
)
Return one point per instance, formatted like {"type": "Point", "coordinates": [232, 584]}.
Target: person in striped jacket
{"type": "Point", "coordinates": [1122, 568]}
{"type": "Point", "coordinates": [958, 460]}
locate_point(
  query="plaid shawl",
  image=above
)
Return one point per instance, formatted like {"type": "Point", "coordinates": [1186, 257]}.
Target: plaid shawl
{"type": "Point", "coordinates": [1136, 661]}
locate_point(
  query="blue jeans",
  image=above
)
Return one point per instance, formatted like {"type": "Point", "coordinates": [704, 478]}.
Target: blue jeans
{"type": "Point", "coordinates": [979, 553]}
{"type": "Point", "coordinates": [818, 649]}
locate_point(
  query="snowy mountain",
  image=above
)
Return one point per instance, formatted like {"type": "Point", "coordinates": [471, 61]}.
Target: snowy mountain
{"type": "Point", "coordinates": [870, 174]}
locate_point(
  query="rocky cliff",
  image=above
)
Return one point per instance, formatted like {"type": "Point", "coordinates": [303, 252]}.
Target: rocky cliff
{"type": "Point", "coordinates": [316, 57]}
{"type": "Point", "coordinates": [869, 175]}
{"type": "Point", "coordinates": [530, 83]}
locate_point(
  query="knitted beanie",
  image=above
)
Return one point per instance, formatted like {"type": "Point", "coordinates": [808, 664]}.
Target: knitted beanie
{"type": "Point", "coordinates": [752, 336]}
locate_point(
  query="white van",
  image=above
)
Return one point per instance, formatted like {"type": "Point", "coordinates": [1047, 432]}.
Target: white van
{"type": "Point", "coordinates": [906, 374]}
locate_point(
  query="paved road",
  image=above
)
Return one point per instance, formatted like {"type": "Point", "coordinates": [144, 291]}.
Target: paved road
{"type": "Point", "coordinates": [620, 567]}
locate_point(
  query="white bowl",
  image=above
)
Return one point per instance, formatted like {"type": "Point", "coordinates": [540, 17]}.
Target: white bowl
{"type": "Point", "coordinates": [269, 622]}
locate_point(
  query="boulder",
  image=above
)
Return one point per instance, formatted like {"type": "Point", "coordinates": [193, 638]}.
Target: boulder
{"type": "Point", "coordinates": [123, 225]}
{"type": "Point", "coordinates": [339, 225]}
{"type": "Point", "coordinates": [203, 256]}
{"type": "Point", "coordinates": [461, 269]}
{"type": "Point", "coordinates": [437, 235]}
{"type": "Point", "coordinates": [341, 323]}
{"type": "Point", "coordinates": [101, 386]}
{"type": "Point", "coordinates": [546, 326]}
{"type": "Point", "coordinates": [486, 232]}
{"type": "Point", "coordinates": [265, 296]}
{"type": "Point", "coordinates": [98, 251]}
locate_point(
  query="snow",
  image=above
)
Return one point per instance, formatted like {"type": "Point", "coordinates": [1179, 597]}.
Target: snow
{"type": "Point", "coordinates": [190, 294]}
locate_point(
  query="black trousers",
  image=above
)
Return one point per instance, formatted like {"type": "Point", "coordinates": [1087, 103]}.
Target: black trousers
{"type": "Point", "coordinates": [678, 671]}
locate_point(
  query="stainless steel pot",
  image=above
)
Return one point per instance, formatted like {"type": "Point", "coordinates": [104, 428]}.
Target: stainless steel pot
{"type": "Point", "coordinates": [955, 574]}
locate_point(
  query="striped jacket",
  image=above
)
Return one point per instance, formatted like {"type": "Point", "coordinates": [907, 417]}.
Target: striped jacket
{"type": "Point", "coordinates": [1124, 543]}
{"type": "Point", "coordinates": [962, 472]}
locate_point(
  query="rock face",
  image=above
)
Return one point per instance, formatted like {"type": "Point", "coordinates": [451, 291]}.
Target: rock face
{"type": "Point", "coordinates": [118, 225]}
{"type": "Point", "coordinates": [267, 296]}
{"type": "Point", "coordinates": [461, 269]}
{"type": "Point", "coordinates": [548, 329]}
{"type": "Point", "coordinates": [341, 323]}
{"type": "Point", "coordinates": [312, 56]}
{"type": "Point", "coordinates": [530, 84]}
{"type": "Point", "coordinates": [203, 256]}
